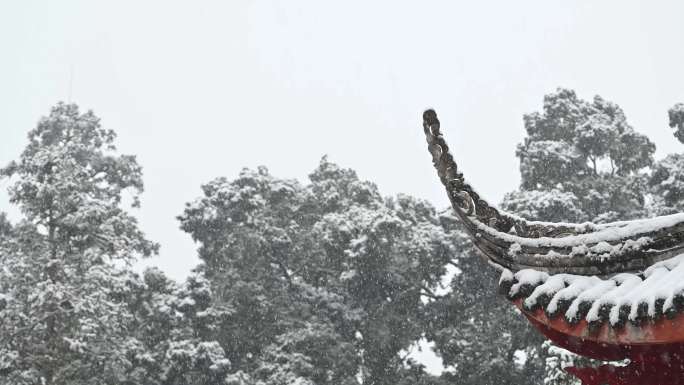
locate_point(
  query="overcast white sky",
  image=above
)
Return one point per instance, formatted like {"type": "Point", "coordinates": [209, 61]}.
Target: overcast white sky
{"type": "Point", "coordinates": [201, 89]}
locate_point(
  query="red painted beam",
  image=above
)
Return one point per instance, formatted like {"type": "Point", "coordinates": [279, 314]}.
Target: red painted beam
{"type": "Point", "coordinates": [655, 348]}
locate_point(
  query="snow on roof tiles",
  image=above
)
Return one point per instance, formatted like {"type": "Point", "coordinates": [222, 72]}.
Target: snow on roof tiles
{"type": "Point", "coordinates": [657, 292]}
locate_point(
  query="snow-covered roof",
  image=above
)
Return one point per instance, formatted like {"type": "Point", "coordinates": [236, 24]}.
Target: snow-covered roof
{"type": "Point", "coordinates": [604, 274]}
{"type": "Point", "coordinates": [657, 292]}
{"type": "Point", "coordinates": [586, 249]}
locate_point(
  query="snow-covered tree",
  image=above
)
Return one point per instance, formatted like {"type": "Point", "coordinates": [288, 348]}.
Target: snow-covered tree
{"type": "Point", "coordinates": [667, 179]}
{"type": "Point", "coordinates": [477, 333]}
{"type": "Point", "coordinates": [64, 265]}
{"type": "Point", "coordinates": [676, 115]}
{"type": "Point", "coordinates": [175, 331]}
{"type": "Point", "coordinates": [584, 159]}
{"type": "Point", "coordinates": [326, 279]}
{"type": "Point", "coordinates": [667, 185]}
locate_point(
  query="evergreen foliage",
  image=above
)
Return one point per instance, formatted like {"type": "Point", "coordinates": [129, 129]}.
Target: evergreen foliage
{"type": "Point", "coordinates": [584, 159]}
{"type": "Point", "coordinates": [676, 115]}
{"type": "Point", "coordinates": [326, 282]}
{"type": "Point", "coordinates": [63, 266]}
{"type": "Point", "coordinates": [327, 279]}
{"type": "Point", "coordinates": [476, 331]}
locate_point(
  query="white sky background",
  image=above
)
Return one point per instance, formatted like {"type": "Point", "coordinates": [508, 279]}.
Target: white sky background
{"type": "Point", "coordinates": [201, 89]}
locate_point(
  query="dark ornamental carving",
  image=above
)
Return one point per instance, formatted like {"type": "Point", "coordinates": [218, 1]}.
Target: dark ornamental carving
{"type": "Point", "coordinates": [584, 249]}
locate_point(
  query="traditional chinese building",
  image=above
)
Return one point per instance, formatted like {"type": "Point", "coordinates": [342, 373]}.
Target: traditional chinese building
{"type": "Point", "coordinates": [610, 292]}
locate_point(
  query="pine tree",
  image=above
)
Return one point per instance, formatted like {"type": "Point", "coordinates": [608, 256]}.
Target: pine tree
{"type": "Point", "coordinates": [64, 265]}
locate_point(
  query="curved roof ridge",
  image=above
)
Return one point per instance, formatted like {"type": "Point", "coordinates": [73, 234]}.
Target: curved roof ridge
{"type": "Point", "coordinates": [583, 249]}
